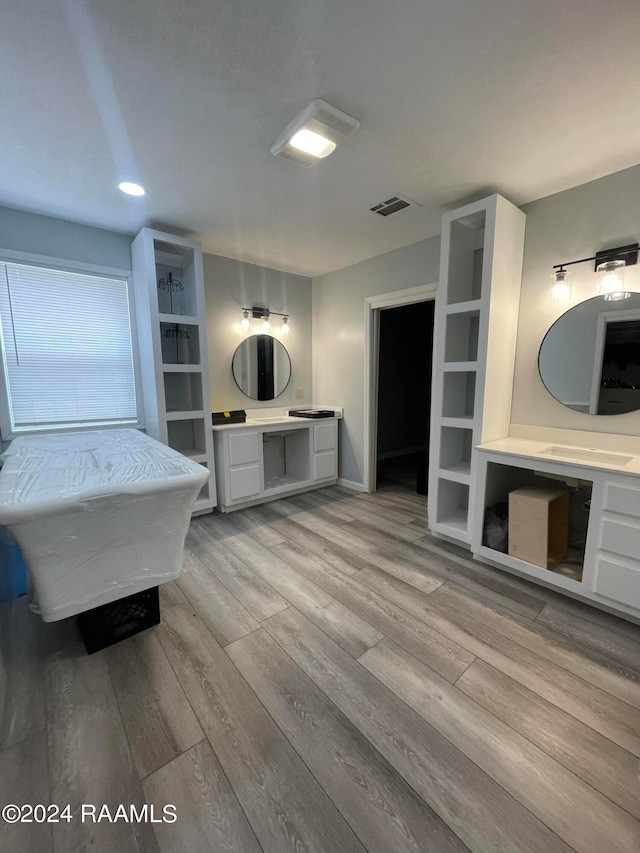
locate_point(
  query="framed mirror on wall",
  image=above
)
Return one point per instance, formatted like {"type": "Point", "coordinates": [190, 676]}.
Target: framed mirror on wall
{"type": "Point", "coordinates": [261, 367]}
{"type": "Point", "coordinates": [589, 359]}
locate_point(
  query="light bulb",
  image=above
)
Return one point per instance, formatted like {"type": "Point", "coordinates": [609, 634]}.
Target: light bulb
{"type": "Point", "coordinates": [266, 326]}
{"type": "Point", "coordinates": [611, 285]}
{"type": "Point", "coordinates": [285, 326]}
{"type": "Point", "coordinates": [561, 290]}
{"type": "Point", "coordinates": [245, 323]}
{"type": "Point", "coordinates": [131, 189]}
{"type": "Point", "coordinates": [312, 143]}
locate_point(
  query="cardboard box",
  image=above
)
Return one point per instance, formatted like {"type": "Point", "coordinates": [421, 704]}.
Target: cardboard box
{"type": "Point", "coordinates": [539, 525]}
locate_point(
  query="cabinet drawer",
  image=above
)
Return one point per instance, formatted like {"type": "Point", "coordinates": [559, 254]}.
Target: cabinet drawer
{"type": "Point", "coordinates": [621, 538]}
{"type": "Point", "coordinates": [325, 436]}
{"type": "Point", "coordinates": [618, 582]}
{"type": "Point", "coordinates": [244, 482]}
{"type": "Point", "coordinates": [325, 465]}
{"type": "Point", "coordinates": [244, 448]}
{"type": "Point", "coordinates": [622, 499]}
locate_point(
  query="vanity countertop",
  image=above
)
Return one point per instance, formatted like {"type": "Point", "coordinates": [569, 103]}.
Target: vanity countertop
{"type": "Point", "coordinates": [283, 420]}
{"type": "Point", "coordinates": [277, 418]}
{"type": "Point", "coordinates": [549, 451]}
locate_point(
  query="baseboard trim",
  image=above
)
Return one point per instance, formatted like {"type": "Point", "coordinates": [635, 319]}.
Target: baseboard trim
{"type": "Point", "coordinates": [349, 484]}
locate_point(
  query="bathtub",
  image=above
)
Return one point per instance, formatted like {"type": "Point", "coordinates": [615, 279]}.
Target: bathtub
{"type": "Point", "coordinates": [98, 515]}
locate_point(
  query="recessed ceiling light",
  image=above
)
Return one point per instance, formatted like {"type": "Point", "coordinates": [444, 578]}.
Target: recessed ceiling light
{"type": "Point", "coordinates": [131, 189]}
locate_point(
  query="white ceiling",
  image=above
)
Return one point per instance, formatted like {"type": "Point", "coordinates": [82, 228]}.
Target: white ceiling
{"type": "Point", "coordinates": [457, 98]}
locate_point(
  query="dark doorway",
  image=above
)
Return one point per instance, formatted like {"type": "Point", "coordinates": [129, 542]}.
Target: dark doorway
{"type": "Point", "coordinates": [404, 395]}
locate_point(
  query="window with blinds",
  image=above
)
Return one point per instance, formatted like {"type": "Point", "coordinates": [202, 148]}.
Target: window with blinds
{"type": "Point", "coordinates": [67, 349]}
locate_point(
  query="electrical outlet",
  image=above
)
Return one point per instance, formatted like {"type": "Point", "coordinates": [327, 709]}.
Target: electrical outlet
{"type": "Point", "coordinates": [299, 393]}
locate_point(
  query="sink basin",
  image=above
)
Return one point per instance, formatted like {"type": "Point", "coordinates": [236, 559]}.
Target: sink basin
{"type": "Point", "coordinates": [586, 455]}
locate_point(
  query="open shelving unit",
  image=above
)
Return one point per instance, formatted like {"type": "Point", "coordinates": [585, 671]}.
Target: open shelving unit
{"type": "Point", "coordinates": [171, 321]}
{"type": "Point", "coordinates": [475, 335]}
{"type": "Point", "coordinates": [501, 479]}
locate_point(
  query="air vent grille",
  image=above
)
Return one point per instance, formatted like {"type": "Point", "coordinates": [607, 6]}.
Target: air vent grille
{"type": "Point", "coordinates": [334, 122]}
{"type": "Point", "coordinates": [395, 204]}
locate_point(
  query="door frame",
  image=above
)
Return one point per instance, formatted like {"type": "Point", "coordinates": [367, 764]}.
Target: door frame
{"type": "Point", "coordinates": [372, 307]}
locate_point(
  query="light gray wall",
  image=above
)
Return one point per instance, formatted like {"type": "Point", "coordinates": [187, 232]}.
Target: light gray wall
{"type": "Point", "coordinates": [338, 335]}
{"type": "Point", "coordinates": [231, 285]}
{"type": "Point", "coordinates": [58, 238]}
{"type": "Point", "coordinates": [564, 227]}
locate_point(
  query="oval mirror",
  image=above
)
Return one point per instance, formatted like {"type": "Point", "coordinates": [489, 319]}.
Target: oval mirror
{"type": "Point", "coordinates": [261, 367]}
{"type": "Point", "coordinates": [590, 358]}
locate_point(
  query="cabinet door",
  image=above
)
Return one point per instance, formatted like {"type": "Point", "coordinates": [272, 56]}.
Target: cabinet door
{"type": "Point", "coordinates": [617, 565]}
{"type": "Point", "coordinates": [618, 580]}
{"type": "Point", "coordinates": [325, 465]}
{"type": "Point", "coordinates": [244, 447]}
{"type": "Point", "coordinates": [244, 482]}
{"type": "Point", "coordinates": [325, 436]}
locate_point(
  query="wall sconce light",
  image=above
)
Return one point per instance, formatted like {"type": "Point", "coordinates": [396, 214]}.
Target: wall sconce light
{"type": "Point", "coordinates": [561, 290]}
{"type": "Point", "coordinates": [610, 265]}
{"type": "Point", "coordinates": [263, 314]}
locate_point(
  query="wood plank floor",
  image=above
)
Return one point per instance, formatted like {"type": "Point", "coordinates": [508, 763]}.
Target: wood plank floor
{"type": "Point", "coordinates": [327, 677]}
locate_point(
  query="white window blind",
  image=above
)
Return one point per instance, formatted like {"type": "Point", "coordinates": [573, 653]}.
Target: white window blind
{"type": "Point", "coordinates": [68, 355]}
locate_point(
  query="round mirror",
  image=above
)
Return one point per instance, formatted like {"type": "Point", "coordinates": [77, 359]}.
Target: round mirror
{"type": "Point", "coordinates": [590, 358]}
{"type": "Point", "coordinates": [261, 367]}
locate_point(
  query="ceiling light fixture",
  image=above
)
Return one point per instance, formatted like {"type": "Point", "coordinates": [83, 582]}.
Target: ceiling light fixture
{"type": "Point", "coordinates": [131, 189]}
{"type": "Point", "coordinates": [314, 133]}
{"type": "Point", "coordinates": [610, 265]}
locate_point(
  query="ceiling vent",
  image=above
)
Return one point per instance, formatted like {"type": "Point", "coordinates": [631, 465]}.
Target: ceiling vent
{"type": "Point", "coordinates": [395, 205]}
{"type": "Point", "coordinates": [314, 133]}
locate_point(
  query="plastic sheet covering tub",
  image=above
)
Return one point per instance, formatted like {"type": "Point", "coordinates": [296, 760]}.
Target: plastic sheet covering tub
{"type": "Point", "coordinates": [98, 515]}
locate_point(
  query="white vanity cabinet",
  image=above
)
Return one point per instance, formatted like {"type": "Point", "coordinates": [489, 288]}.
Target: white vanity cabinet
{"type": "Point", "coordinates": [605, 568]}
{"type": "Point", "coordinates": [260, 462]}
{"type": "Point", "coordinates": [617, 559]}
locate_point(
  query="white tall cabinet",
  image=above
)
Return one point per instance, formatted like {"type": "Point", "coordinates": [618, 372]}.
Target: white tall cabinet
{"type": "Point", "coordinates": [476, 317]}
{"type": "Point", "coordinates": [172, 333]}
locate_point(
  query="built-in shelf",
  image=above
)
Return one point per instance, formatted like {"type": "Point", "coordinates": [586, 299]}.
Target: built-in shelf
{"type": "Point", "coordinates": [460, 472]}
{"type": "Point", "coordinates": [183, 391]}
{"type": "Point", "coordinates": [194, 456]}
{"type": "Point", "coordinates": [475, 323]}
{"type": "Point", "coordinates": [182, 368]}
{"type": "Point", "coordinates": [188, 436]}
{"type": "Point", "coordinates": [180, 343]}
{"type": "Point", "coordinates": [456, 521]}
{"type": "Point", "coordinates": [456, 446]}
{"type": "Point", "coordinates": [459, 366]}
{"type": "Point", "coordinates": [172, 332]}
{"type": "Point", "coordinates": [177, 318]}
{"type": "Point", "coordinates": [458, 394]}
{"type": "Point", "coordinates": [461, 337]}
{"type": "Point", "coordinates": [472, 306]}
{"type": "Point", "coordinates": [184, 416]}
{"type": "Point", "coordinates": [463, 422]}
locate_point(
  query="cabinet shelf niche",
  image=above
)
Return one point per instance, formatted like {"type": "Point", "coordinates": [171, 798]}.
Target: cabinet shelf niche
{"type": "Point", "coordinates": [180, 343]}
